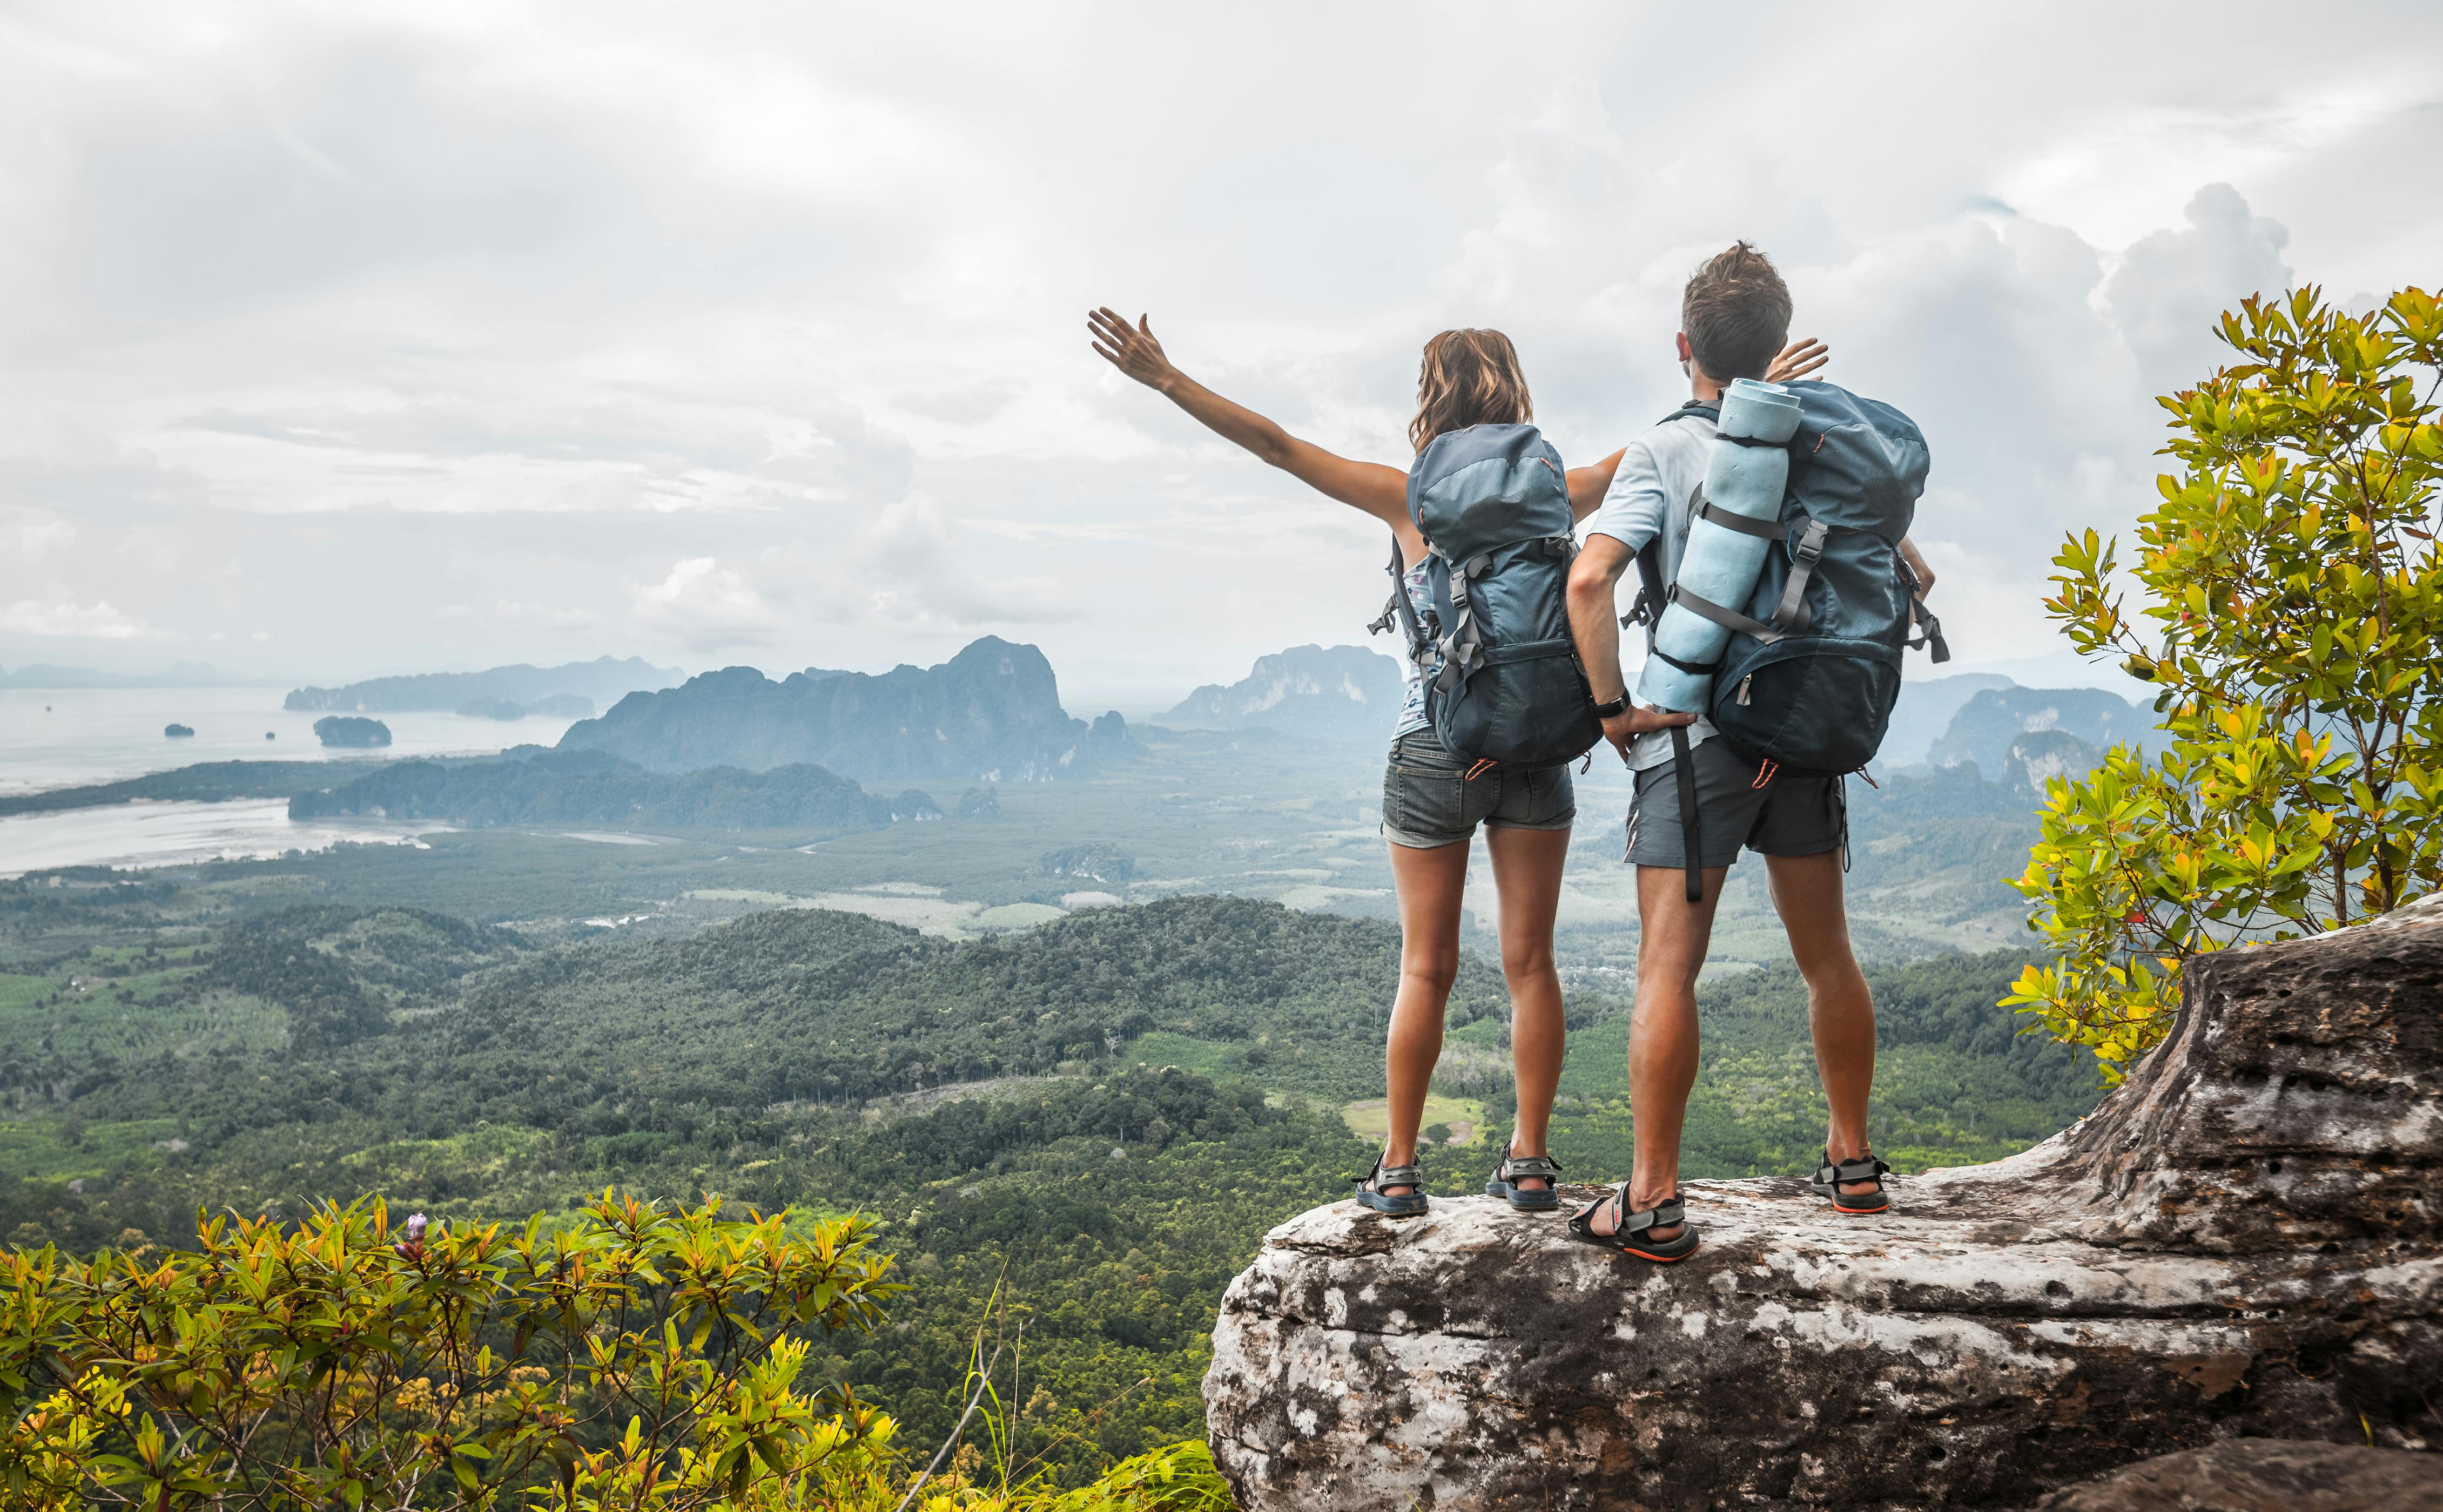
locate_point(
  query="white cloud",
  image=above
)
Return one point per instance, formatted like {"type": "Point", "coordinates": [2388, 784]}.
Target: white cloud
{"type": "Point", "coordinates": [705, 607]}
{"type": "Point", "coordinates": [96, 621]}
{"type": "Point", "coordinates": [36, 538]}
{"type": "Point", "coordinates": [2172, 285]}
{"type": "Point", "coordinates": [382, 309]}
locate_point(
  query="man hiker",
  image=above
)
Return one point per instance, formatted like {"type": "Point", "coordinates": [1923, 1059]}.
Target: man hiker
{"type": "Point", "coordinates": [1734, 317]}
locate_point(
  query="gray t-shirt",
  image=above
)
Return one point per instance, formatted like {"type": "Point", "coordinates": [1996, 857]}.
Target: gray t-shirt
{"type": "Point", "coordinates": [1651, 496]}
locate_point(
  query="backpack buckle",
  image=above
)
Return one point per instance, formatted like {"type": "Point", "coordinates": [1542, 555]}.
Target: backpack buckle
{"type": "Point", "coordinates": [1809, 549]}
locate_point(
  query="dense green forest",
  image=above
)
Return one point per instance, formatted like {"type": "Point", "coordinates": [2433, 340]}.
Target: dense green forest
{"type": "Point", "coordinates": [529, 786]}
{"type": "Point", "coordinates": [1098, 1117]}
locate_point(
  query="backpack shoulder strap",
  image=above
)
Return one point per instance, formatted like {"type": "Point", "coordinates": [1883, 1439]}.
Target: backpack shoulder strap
{"type": "Point", "coordinates": [1400, 611]}
{"type": "Point", "coordinates": [1647, 608]}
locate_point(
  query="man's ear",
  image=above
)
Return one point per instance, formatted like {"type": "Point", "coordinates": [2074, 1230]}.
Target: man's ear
{"type": "Point", "coordinates": [1687, 353]}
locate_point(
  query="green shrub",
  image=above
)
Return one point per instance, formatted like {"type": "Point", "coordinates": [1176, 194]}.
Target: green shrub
{"type": "Point", "coordinates": [637, 1358]}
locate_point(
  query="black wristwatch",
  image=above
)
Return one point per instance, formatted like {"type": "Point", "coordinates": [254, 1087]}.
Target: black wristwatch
{"type": "Point", "coordinates": [1617, 706]}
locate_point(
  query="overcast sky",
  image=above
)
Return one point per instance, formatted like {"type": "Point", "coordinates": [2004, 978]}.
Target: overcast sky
{"type": "Point", "coordinates": [338, 340]}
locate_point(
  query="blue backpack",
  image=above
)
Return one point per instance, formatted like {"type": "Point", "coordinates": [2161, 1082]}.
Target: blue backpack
{"type": "Point", "coordinates": [1493, 505]}
{"type": "Point", "coordinates": [1812, 668]}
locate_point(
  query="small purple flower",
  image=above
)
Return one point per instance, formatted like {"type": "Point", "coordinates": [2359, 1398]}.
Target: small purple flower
{"type": "Point", "coordinates": [412, 1247]}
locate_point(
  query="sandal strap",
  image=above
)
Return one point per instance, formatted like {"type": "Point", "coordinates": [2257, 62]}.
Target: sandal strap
{"type": "Point", "coordinates": [1865, 1168]}
{"type": "Point", "coordinates": [1662, 1214]}
{"type": "Point", "coordinates": [1529, 1165]}
{"type": "Point", "coordinates": [1392, 1176]}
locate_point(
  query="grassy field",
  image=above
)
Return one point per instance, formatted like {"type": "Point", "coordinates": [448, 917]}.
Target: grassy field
{"type": "Point", "coordinates": [1371, 1119]}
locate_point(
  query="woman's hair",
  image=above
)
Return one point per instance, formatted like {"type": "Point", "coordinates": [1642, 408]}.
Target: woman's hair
{"type": "Point", "coordinates": [1469, 378]}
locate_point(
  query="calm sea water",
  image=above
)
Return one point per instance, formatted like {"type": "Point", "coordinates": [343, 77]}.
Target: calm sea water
{"type": "Point", "coordinates": [71, 737]}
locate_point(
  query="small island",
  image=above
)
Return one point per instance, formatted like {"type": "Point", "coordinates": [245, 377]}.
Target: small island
{"type": "Point", "coordinates": [348, 730]}
{"type": "Point", "coordinates": [175, 732]}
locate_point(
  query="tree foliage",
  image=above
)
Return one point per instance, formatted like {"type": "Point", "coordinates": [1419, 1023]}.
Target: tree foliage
{"type": "Point", "coordinates": [2295, 596]}
{"type": "Point", "coordinates": [638, 1358]}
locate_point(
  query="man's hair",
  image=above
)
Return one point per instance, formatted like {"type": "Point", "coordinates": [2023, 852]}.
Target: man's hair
{"type": "Point", "coordinates": [1468, 378]}
{"type": "Point", "coordinates": [1735, 312]}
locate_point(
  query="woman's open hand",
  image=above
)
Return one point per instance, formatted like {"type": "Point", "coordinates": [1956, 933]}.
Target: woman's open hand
{"type": "Point", "coordinates": [1130, 348]}
{"type": "Point", "coordinates": [1797, 360]}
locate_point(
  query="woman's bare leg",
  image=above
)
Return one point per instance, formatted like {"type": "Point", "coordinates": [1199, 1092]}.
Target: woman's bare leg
{"type": "Point", "coordinates": [1430, 885]}
{"type": "Point", "coordinates": [1527, 866]}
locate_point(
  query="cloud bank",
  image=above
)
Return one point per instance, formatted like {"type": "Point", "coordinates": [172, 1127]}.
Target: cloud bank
{"type": "Point", "coordinates": [377, 339]}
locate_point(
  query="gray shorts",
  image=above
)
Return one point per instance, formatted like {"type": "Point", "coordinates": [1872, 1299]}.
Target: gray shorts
{"type": "Point", "coordinates": [1428, 801]}
{"type": "Point", "coordinates": [1780, 816]}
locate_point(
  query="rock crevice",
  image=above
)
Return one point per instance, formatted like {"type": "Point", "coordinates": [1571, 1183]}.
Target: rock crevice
{"type": "Point", "coordinates": [2241, 1242]}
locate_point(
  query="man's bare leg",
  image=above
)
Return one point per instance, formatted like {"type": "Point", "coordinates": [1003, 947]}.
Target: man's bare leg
{"type": "Point", "coordinates": [1672, 937]}
{"type": "Point", "coordinates": [1430, 885]}
{"type": "Point", "coordinates": [1840, 1008]}
{"type": "Point", "coordinates": [1527, 866]}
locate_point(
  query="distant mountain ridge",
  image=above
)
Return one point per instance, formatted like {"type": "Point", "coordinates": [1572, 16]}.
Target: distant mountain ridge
{"type": "Point", "coordinates": [601, 681]}
{"type": "Point", "coordinates": [1925, 710]}
{"type": "Point", "coordinates": [184, 675]}
{"type": "Point", "coordinates": [2042, 755]}
{"type": "Point", "coordinates": [1990, 723]}
{"type": "Point", "coordinates": [1339, 692]}
{"type": "Point", "coordinates": [990, 714]}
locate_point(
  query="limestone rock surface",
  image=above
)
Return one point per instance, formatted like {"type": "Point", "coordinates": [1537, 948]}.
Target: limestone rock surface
{"type": "Point", "coordinates": [2241, 1242]}
{"type": "Point", "coordinates": [2266, 1475]}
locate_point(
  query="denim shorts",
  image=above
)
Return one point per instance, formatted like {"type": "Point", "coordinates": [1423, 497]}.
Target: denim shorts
{"type": "Point", "coordinates": [1428, 801]}
{"type": "Point", "coordinates": [1738, 803]}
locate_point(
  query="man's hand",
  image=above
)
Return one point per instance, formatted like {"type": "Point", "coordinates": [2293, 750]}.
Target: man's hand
{"type": "Point", "coordinates": [1634, 720]}
{"type": "Point", "coordinates": [1797, 360]}
{"type": "Point", "coordinates": [1131, 348]}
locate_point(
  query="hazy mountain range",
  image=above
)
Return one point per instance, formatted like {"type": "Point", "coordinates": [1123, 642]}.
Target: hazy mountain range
{"type": "Point", "coordinates": [600, 683]}
{"type": "Point", "coordinates": [184, 675]}
{"type": "Point", "coordinates": [1340, 692]}
{"type": "Point", "coordinates": [990, 714]}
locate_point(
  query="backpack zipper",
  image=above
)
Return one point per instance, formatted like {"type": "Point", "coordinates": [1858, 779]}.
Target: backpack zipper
{"type": "Point", "coordinates": [1743, 688]}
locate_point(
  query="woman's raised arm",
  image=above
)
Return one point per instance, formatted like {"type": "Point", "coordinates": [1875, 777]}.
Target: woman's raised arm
{"type": "Point", "coordinates": [1380, 491]}
{"type": "Point", "coordinates": [1587, 485]}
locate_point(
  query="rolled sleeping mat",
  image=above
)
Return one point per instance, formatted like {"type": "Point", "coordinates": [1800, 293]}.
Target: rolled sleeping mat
{"type": "Point", "coordinates": [1721, 564]}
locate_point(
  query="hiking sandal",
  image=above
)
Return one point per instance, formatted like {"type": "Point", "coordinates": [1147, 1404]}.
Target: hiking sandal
{"type": "Point", "coordinates": [1831, 1175]}
{"type": "Point", "coordinates": [1504, 1182]}
{"type": "Point", "coordinates": [1628, 1237]}
{"type": "Point", "coordinates": [1370, 1192]}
